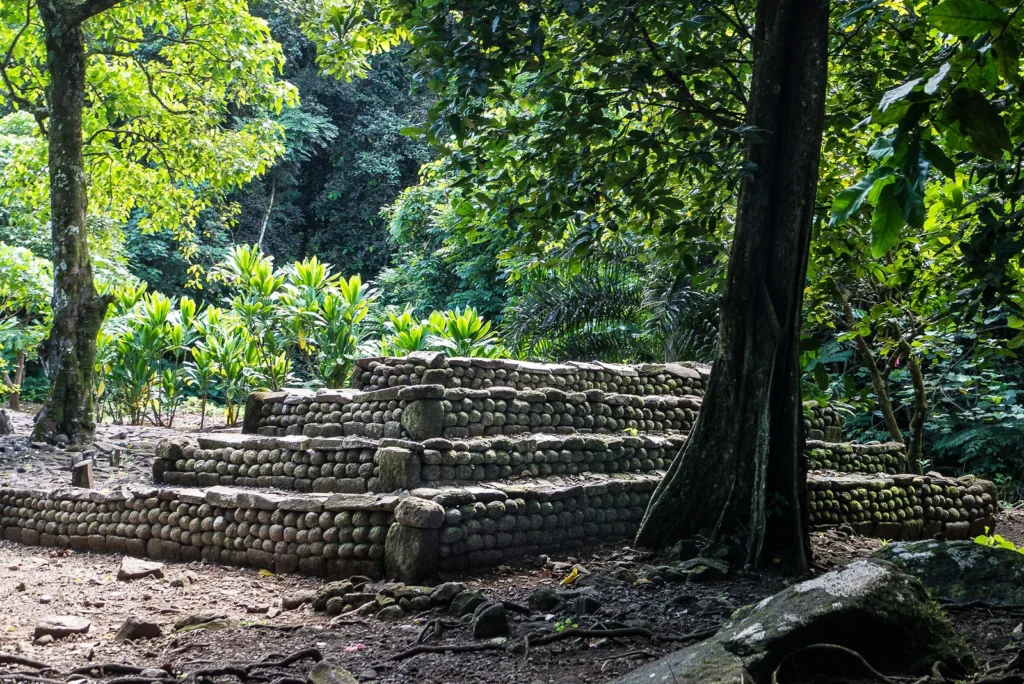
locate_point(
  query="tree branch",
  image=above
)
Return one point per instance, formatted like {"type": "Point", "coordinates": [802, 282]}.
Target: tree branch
{"type": "Point", "coordinates": [15, 96]}
{"type": "Point", "coordinates": [90, 8]}
{"type": "Point", "coordinates": [726, 119]}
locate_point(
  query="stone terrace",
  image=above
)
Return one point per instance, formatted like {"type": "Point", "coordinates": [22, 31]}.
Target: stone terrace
{"type": "Point", "coordinates": [435, 462]}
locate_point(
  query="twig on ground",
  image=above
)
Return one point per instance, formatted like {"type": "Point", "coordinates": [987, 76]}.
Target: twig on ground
{"type": "Point", "coordinates": [310, 653]}
{"type": "Point", "coordinates": [431, 629]}
{"type": "Point", "coordinates": [628, 654]}
{"type": "Point", "coordinates": [281, 628]}
{"type": "Point", "coordinates": [108, 669]}
{"type": "Point", "coordinates": [450, 648]}
{"type": "Point", "coordinates": [836, 648]}
{"type": "Point", "coordinates": [968, 605]}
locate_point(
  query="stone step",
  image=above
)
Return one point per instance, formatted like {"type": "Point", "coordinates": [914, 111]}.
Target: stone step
{"type": "Point", "coordinates": [411, 535]}
{"type": "Point", "coordinates": [358, 465]}
{"type": "Point", "coordinates": [854, 457]}
{"type": "Point", "coordinates": [335, 535]}
{"type": "Point", "coordinates": [424, 368]}
{"type": "Point", "coordinates": [425, 411]}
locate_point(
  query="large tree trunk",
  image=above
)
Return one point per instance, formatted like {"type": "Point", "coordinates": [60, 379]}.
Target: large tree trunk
{"type": "Point", "coordinates": [70, 351]}
{"type": "Point", "coordinates": [741, 477]}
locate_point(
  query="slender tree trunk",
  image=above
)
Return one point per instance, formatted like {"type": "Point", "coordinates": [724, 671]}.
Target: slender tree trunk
{"type": "Point", "coordinates": [78, 311]}
{"type": "Point", "coordinates": [741, 477]}
{"type": "Point", "coordinates": [915, 446]}
{"type": "Point", "coordinates": [266, 216]}
{"type": "Point", "coordinates": [202, 408]}
{"type": "Point", "coordinates": [14, 401]}
{"type": "Point", "coordinates": [879, 381]}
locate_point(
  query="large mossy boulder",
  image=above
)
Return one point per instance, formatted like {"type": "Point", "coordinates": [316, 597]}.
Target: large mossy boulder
{"type": "Point", "coordinates": [868, 606]}
{"type": "Point", "coordinates": [961, 571]}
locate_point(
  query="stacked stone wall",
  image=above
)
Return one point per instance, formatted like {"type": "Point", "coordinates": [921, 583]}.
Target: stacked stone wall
{"type": "Point", "coordinates": [352, 464]}
{"type": "Point", "coordinates": [429, 368]}
{"type": "Point", "coordinates": [289, 463]}
{"type": "Point", "coordinates": [823, 423]}
{"type": "Point", "coordinates": [330, 536]}
{"type": "Point", "coordinates": [486, 526]}
{"type": "Point", "coordinates": [903, 506]}
{"type": "Point", "coordinates": [460, 413]}
{"type": "Point", "coordinates": [851, 457]}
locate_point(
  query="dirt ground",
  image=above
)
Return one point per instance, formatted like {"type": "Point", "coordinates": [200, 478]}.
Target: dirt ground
{"type": "Point", "coordinates": [37, 582]}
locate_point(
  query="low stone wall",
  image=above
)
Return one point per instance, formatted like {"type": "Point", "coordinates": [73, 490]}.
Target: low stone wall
{"type": "Point", "coordinates": [424, 411]}
{"type": "Point", "coordinates": [486, 526]}
{"type": "Point", "coordinates": [462, 462]}
{"type": "Point", "coordinates": [428, 368]}
{"type": "Point", "coordinates": [299, 464]}
{"type": "Point", "coordinates": [903, 506]}
{"type": "Point", "coordinates": [851, 457]}
{"type": "Point", "coordinates": [353, 465]}
{"type": "Point", "coordinates": [410, 537]}
{"type": "Point", "coordinates": [330, 536]}
{"type": "Point", "coordinates": [823, 423]}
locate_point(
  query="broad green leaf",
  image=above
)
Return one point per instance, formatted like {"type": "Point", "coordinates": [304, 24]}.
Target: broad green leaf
{"type": "Point", "coordinates": [932, 85]}
{"type": "Point", "coordinates": [849, 200]}
{"type": "Point", "coordinates": [910, 198]}
{"type": "Point", "coordinates": [898, 93]}
{"type": "Point", "coordinates": [886, 222]}
{"type": "Point", "coordinates": [981, 122]}
{"type": "Point", "coordinates": [1007, 49]}
{"type": "Point", "coordinates": [937, 158]}
{"type": "Point", "coordinates": [881, 148]}
{"type": "Point", "coordinates": [966, 17]}
{"type": "Point", "coordinates": [1015, 322]}
{"type": "Point", "coordinates": [876, 189]}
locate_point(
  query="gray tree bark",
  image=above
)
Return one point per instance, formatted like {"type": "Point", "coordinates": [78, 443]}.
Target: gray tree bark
{"type": "Point", "coordinates": [741, 478]}
{"type": "Point", "coordinates": [69, 353]}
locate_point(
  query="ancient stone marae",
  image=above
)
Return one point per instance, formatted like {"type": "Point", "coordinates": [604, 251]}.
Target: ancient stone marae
{"type": "Point", "coordinates": [433, 462]}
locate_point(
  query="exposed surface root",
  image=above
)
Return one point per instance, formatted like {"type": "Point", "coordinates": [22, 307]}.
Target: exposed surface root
{"type": "Point", "coordinates": [836, 649]}
{"type": "Point", "coordinates": [535, 639]}
{"type": "Point", "coordinates": [11, 659]}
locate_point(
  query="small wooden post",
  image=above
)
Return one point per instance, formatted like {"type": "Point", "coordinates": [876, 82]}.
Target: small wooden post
{"type": "Point", "coordinates": [81, 474]}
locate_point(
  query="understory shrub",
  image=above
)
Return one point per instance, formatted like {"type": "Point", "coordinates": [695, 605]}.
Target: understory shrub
{"type": "Point", "coordinates": [276, 327]}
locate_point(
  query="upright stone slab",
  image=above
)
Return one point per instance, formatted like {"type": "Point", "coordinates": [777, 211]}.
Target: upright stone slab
{"type": "Point", "coordinates": [423, 419]}
{"type": "Point", "coordinates": [399, 469]}
{"type": "Point", "coordinates": [411, 553]}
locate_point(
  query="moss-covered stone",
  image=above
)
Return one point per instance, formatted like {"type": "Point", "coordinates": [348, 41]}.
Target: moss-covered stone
{"type": "Point", "coordinates": [867, 606]}
{"type": "Point", "coordinates": [961, 570]}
